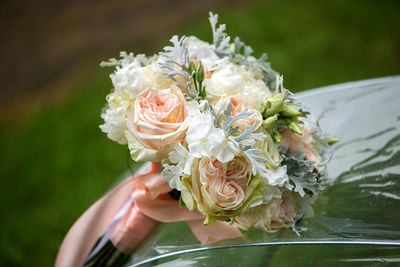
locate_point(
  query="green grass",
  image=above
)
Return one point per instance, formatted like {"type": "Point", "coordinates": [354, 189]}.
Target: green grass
{"type": "Point", "coordinates": [56, 162]}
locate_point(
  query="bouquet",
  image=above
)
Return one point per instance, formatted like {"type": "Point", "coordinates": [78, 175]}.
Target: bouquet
{"type": "Point", "coordinates": [230, 148]}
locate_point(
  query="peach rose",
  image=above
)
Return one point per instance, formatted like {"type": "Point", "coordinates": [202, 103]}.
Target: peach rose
{"type": "Point", "coordinates": [271, 216]}
{"type": "Point", "coordinates": [224, 183]}
{"type": "Point", "coordinates": [158, 118]}
{"type": "Point", "coordinates": [277, 213]}
{"type": "Point", "coordinates": [238, 105]}
{"type": "Point", "coordinates": [298, 143]}
{"type": "Point", "coordinates": [222, 190]}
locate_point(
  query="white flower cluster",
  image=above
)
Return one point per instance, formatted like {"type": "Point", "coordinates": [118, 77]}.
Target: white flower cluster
{"type": "Point", "coordinates": [208, 114]}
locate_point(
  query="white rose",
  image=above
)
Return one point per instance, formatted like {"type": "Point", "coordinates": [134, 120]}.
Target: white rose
{"type": "Point", "coordinates": [130, 78]}
{"type": "Point", "coordinates": [114, 124]}
{"type": "Point", "coordinates": [129, 81]}
{"type": "Point", "coordinates": [230, 80]}
{"type": "Point", "coordinates": [224, 82]}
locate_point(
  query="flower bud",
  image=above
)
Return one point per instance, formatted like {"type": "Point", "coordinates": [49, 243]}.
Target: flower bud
{"type": "Point", "coordinates": [273, 105]}
{"type": "Point", "coordinates": [270, 122]}
{"type": "Point", "coordinates": [192, 68]}
{"type": "Point", "coordinates": [200, 72]}
{"type": "Point", "coordinates": [288, 111]}
{"type": "Point", "coordinates": [294, 127]}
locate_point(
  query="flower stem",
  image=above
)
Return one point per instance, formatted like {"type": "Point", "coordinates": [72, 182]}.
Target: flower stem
{"type": "Point", "coordinates": [108, 255]}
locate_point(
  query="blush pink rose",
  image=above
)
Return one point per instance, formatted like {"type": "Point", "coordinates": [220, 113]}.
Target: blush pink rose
{"type": "Point", "coordinates": [224, 183]}
{"type": "Point", "coordinates": [158, 118]}
{"type": "Point", "coordinates": [222, 190]}
{"type": "Point", "coordinates": [271, 216]}
{"type": "Point", "coordinates": [238, 105]}
{"type": "Point", "coordinates": [300, 143]}
{"type": "Point", "coordinates": [278, 213]}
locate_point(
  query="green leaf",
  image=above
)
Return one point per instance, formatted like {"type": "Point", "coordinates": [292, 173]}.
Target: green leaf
{"type": "Point", "coordinates": [301, 173]}
{"type": "Point", "coordinates": [332, 140]}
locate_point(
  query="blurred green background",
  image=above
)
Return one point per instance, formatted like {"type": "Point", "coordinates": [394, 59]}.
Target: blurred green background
{"type": "Point", "coordinates": [55, 160]}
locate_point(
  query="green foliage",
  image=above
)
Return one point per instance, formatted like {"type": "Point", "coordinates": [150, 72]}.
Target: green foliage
{"type": "Point", "coordinates": [239, 137]}
{"type": "Point", "coordinates": [221, 40]}
{"type": "Point", "coordinates": [301, 173]}
{"type": "Point", "coordinates": [280, 112]}
{"type": "Point", "coordinates": [177, 63]}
